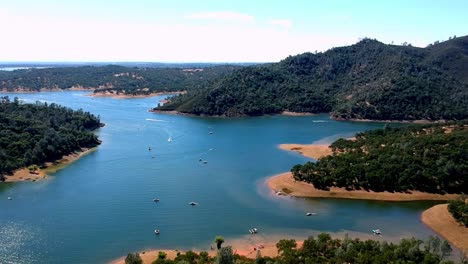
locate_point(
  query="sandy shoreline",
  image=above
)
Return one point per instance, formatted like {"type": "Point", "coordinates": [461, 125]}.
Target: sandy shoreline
{"type": "Point", "coordinates": [314, 151]}
{"type": "Point", "coordinates": [24, 174]}
{"type": "Point", "coordinates": [439, 219]}
{"type": "Point", "coordinates": [130, 96]}
{"type": "Point", "coordinates": [286, 184]}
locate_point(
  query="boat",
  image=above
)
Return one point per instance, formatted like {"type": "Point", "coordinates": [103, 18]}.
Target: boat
{"type": "Point", "coordinates": [169, 139]}
{"type": "Point", "coordinates": [253, 231]}
{"type": "Point", "coordinates": [205, 161]}
{"type": "Point", "coordinates": [156, 200]}
{"type": "Point", "coordinates": [149, 148]}
{"type": "Point", "coordinates": [309, 214]}
{"type": "Point", "coordinates": [279, 193]}
{"type": "Point", "coordinates": [193, 203]}
{"type": "Point", "coordinates": [9, 198]}
{"type": "Point", "coordinates": [376, 231]}
{"type": "Point", "coordinates": [156, 231]}
{"type": "Point", "coordinates": [211, 132]}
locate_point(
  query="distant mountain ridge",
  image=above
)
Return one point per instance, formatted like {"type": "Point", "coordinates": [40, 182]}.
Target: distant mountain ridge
{"type": "Point", "coordinates": [367, 80]}
{"type": "Point", "coordinates": [119, 79]}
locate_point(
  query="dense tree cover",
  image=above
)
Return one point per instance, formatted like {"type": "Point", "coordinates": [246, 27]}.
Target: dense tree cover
{"type": "Point", "coordinates": [133, 258]}
{"type": "Point", "coordinates": [325, 249]}
{"type": "Point", "coordinates": [36, 133]}
{"type": "Point", "coordinates": [459, 209]}
{"type": "Point", "coordinates": [368, 80]}
{"type": "Point", "coordinates": [429, 158]}
{"type": "Point", "coordinates": [128, 80]}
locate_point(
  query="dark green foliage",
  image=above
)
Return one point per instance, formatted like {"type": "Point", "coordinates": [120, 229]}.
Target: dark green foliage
{"type": "Point", "coordinates": [113, 78]}
{"type": "Point", "coordinates": [429, 158]}
{"type": "Point", "coordinates": [368, 80]}
{"type": "Point", "coordinates": [459, 209]}
{"type": "Point", "coordinates": [133, 258]}
{"type": "Point", "coordinates": [225, 256]}
{"type": "Point", "coordinates": [325, 249]}
{"type": "Point", "coordinates": [36, 133]}
{"type": "Point", "coordinates": [219, 240]}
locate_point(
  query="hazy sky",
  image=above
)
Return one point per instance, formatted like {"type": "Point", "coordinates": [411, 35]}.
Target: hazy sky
{"type": "Point", "coordinates": [214, 30]}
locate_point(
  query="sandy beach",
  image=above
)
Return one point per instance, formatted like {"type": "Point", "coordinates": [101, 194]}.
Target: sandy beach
{"type": "Point", "coordinates": [130, 96]}
{"type": "Point", "coordinates": [50, 167]}
{"type": "Point", "coordinates": [287, 185]}
{"type": "Point", "coordinates": [439, 219]}
{"type": "Point", "coordinates": [314, 151]}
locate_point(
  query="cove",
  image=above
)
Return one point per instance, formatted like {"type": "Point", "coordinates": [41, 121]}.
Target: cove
{"type": "Point", "coordinates": [101, 207]}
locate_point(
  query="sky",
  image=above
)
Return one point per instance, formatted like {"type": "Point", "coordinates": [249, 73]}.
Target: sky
{"type": "Point", "coordinates": [214, 30]}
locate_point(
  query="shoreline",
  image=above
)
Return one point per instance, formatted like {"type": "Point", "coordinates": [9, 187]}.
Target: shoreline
{"type": "Point", "coordinates": [130, 96]}
{"type": "Point", "coordinates": [439, 219]}
{"type": "Point", "coordinates": [24, 174]}
{"type": "Point", "coordinates": [314, 151]}
{"type": "Point", "coordinates": [286, 184]}
{"type": "Point", "coordinates": [248, 245]}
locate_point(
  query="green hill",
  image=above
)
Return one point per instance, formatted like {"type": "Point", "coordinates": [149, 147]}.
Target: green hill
{"type": "Point", "coordinates": [367, 80]}
{"type": "Point", "coordinates": [429, 158]}
{"type": "Point", "coordinates": [37, 133]}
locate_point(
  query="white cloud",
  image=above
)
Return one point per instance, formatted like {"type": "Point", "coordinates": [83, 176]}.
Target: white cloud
{"type": "Point", "coordinates": [281, 22]}
{"type": "Point", "coordinates": [223, 15]}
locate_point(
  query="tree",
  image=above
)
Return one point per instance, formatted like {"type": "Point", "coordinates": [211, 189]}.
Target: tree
{"type": "Point", "coordinates": [133, 258]}
{"type": "Point", "coordinates": [219, 240]}
{"type": "Point", "coordinates": [225, 256]}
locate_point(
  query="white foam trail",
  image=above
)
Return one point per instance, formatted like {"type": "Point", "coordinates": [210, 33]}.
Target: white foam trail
{"type": "Point", "coordinates": [155, 120]}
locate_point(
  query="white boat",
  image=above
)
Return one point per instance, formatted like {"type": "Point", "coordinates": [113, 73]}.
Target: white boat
{"type": "Point", "coordinates": [193, 203]}
{"type": "Point", "coordinates": [156, 200]}
{"type": "Point", "coordinates": [156, 231]}
{"type": "Point", "coordinates": [253, 231]}
{"type": "Point", "coordinates": [9, 198]}
{"type": "Point", "coordinates": [309, 214]}
{"type": "Point", "coordinates": [169, 139]}
{"type": "Point", "coordinates": [376, 231]}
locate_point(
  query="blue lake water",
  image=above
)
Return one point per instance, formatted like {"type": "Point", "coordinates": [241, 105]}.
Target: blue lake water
{"type": "Point", "coordinates": [100, 207]}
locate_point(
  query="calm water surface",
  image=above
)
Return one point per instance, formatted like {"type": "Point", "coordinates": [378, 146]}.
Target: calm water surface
{"type": "Point", "coordinates": [100, 207]}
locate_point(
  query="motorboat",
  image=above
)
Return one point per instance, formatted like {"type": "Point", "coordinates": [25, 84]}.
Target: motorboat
{"type": "Point", "coordinates": [309, 214]}
{"type": "Point", "coordinates": [376, 231]}
{"type": "Point", "coordinates": [156, 231]}
{"type": "Point", "coordinates": [169, 139]}
{"type": "Point", "coordinates": [193, 203]}
{"type": "Point", "coordinates": [253, 231]}
{"type": "Point", "coordinates": [156, 200]}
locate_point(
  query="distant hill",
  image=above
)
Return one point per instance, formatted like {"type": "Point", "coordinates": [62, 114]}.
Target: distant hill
{"type": "Point", "coordinates": [129, 80]}
{"type": "Point", "coordinates": [367, 80]}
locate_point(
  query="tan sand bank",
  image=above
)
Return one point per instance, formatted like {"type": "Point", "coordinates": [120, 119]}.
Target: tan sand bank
{"type": "Point", "coordinates": [129, 96]}
{"type": "Point", "coordinates": [287, 185]}
{"type": "Point", "coordinates": [25, 175]}
{"type": "Point", "coordinates": [314, 151]}
{"type": "Point", "coordinates": [439, 219]}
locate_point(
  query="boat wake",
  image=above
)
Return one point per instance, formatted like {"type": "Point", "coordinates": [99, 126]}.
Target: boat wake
{"type": "Point", "coordinates": [155, 120]}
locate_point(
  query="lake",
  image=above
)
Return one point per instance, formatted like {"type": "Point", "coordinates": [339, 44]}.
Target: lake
{"type": "Point", "coordinates": [101, 207]}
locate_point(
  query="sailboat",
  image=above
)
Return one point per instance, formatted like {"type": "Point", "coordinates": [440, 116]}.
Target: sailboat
{"type": "Point", "coordinates": [169, 139]}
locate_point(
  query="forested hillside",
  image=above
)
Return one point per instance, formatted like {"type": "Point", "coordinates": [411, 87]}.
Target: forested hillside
{"type": "Point", "coordinates": [36, 133]}
{"type": "Point", "coordinates": [429, 158]}
{"type": "Point", "coordinates": [128, 80]}
{"type": "Point", "coordinates": [368, 80]}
